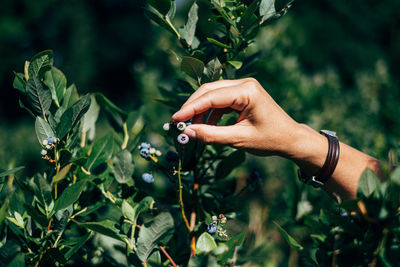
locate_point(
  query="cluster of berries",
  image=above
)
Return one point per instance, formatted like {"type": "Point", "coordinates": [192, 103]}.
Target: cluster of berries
{"type": "Point", "coordinates": [216, 226]}
{"type": "Point", "coordinates": [48, 144]}
{"type": "Point", "coordinates": [147, 178]}
{"type": "Point", "coordinates": [180, 126]}
{"type": "Point", "coordinates": [146, 151]}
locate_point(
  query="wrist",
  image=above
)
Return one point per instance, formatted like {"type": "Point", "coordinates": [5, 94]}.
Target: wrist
{"type": "Point", "coordinates": [307, 148]}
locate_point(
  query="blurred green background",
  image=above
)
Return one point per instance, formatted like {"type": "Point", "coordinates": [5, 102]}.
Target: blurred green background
{"type": "Point", "coordinates": [330, 64]}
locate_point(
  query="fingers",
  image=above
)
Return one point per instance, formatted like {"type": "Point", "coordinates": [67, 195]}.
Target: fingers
{"type": "Point", "coordinates": [210, 134]}
{"type": "Point", "coordinates": [227, 97]}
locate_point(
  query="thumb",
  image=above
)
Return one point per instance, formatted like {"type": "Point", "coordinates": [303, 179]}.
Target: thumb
{"type": "Point", "coordinates": [210, 134]}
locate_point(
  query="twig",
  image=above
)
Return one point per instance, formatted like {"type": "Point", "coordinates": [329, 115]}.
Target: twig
{"type": "Point", "coordinates": [193, 215]}
{"type": "Point", "coordinates": [180, 196]}
{"type": "Point", "coordinates": [126, 136]}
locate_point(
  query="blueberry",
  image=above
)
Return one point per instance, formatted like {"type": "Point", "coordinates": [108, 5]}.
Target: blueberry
{"type": "Point", "coordinates": [181, 126]}
{"type": "Point", "coordinates": [51, 140]}
{"type": "Point", "coordinates": [144, 145]}
{"type": "Point", "coordinates": [188, 123]}
{"type": "Point", "coordinates": [45, 142]}
{"type": "Point", "coordinates": [148, 178]}
{"type": "Point", "coordinates": [145, 153]}
{"type": "Point", "coordinates": [212, 228]}
{"type": "Point", "coordinates": [171, 156]}
{"type": "Point", "coordinates": [183, 139]}
{"type": "Point", "coordinates": [43, 152]}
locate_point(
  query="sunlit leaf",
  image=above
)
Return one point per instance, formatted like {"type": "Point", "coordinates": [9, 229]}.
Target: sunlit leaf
{"type": "Point", "coordinates": [43, 129]}
{"type": "Point", "coordinates": [205, 243]}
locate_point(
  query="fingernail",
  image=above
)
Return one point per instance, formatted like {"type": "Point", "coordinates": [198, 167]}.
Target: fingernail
{"type": "Point", "coordinates": [190, 133]}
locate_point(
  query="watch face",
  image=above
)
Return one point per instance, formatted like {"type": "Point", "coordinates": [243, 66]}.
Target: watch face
{"type": "Point", "coordinates": [331, 133]}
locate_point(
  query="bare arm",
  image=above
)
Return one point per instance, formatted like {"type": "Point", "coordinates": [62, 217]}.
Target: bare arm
{"type": "Point", "coordinates": [264, 128]}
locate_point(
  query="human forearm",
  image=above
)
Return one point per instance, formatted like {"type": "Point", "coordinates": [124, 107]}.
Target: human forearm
{"type": "Point", "coordinates": [309, 149]}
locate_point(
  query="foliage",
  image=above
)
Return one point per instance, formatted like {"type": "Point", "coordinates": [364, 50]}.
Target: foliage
{"type": "Point", "coordinates": [90, 195]}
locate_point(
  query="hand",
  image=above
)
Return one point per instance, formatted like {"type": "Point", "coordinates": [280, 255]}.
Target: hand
{"type": "Point", "coordinates": [262, 128]}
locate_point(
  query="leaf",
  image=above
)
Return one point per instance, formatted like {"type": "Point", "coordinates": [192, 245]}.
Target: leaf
{"type": "Point", "coordinates": [18, 261]}
{"type": "Point", "coordinates": [69, 196]}
{"type": "Point", "coordinates": [159, 231]}
{"type": "Point", "coordinates": [157, 18]}
{"type": "Point", "coordinates": [106, 227]}
{"type": "Point", "coordinates": [248, 18]}
{"type": "Point", "coordinates": [38, 95]}
{"type": "Point", "coordinates": [213, 70]}
{"type": "Point", "coordinates": [236, 64]}
{"type": "Point", "coordinates": [90, 117]}
{"type": "Point", "coordinates": [80, 242]}
{"type": "Point", "coordinates": [218, 43]}
{"type": "Point", "coordinates": [289, 239]}
{"type": "Point", "coordinates": [161, 6]}
{"type": "Point", "coordinates": [188, 31]}
{"type": "Point", "coordinates": [8, 251]}
{"type": "Point", "coordinates": [40, 63]}
{"type": "Point", "coordinates": [11, 171]}
{"type": "Point", "coordinates": [42, 191]}
{"type": "Point", "coordinates": [192, 67]}
{"type": "Point", "coordinates": [203, 260]}
{"type": "Point", "coordinates": [3, 211]}
{"type": "Point", "coordinates": [205, 243]}
{"type": "Point", "coordinates": [19, 82]}
{"type": "Point", "coordinates": [57, 83]}
{"type": "Point", "coordinates": [123, 167]}
{"type": "Point", "coordinates": [267, 9]}
{"type": "Point", "coordinates": [72, 115]}
{"type": "Point", "coordinates": [368, 183]}
{"type": "Point", "coordinates": [62, 174]}
{"type": "Point", "coordinates": [43, 129]}
{"type": "Point", "coordinates": [101, 152]}
{"type": "Point", "coordinates": [226, 166]}
{"type": "Point", "coordinates": [128, 211]}
{"type": "Point", "coordinates": [70, 97]}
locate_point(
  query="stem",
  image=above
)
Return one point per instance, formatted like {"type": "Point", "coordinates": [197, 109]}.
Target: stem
{"type": "Point", "coordinates": [132, 236]}
{"type": "Point", "coordinates": [126, 136]}
{"type": "Point", "coordinates": [168, 256]}
{"type": "Point", "coordinates": [172, 26]}
{"type": "Point", "coordinates": [180, 196]}
{"type": "Point", "coordinates": [379, 248]}
{"type": "Point", "coordinates": [83, 139]}
{"type": "Point", "coordinates": [194, 214]}
{"type": "Point", "coordinates": [55, 191]}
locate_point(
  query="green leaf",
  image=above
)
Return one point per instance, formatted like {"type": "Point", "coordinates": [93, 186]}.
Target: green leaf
{"type": "Point", "coordinates": [57, 83]}
{"type": "Point", "coordinates": [3, 211]}
{"type": "Point", "coordinates": [205, 243]}
{"type": "Point", "coordinates": [203, 260]}
{"type": "Point", "coordinates": [368, 183]}
{"type": "Point", "coordinates": [188, 31]}
{"type": "Point", "coordinates": [106, 227]}
{"type": "Point", "coordinates": [42, 191]}
{"type": "Point", "coordinates": [79, 243]}
{"type": "Point", "coordinates": [38, 95]}
{"type": "Point", "coordinates": [248, 18]}
{"type": "Point", "coordinates": [40, 63]}
{"type": "Point", "coordinates": [8, 251]}
{"type": "Point", "coordinates": [19, 82]}
{"type": "Point", "coordinates": [213, 70]}
{"type": "Point", "coordinates": [267, 9]}
{"type": "Point", "coordinates": [154, 260]}
{"type": "Point", "coordinates": [61, 174]}
{"type": "Point", "coordinates": [123, 167]}
{"type": "Point", "coordinates": [236, 64]}
{"type": "Point", "coordinates": [192, 67]}
{"type": "Point", "coordinates": [11, 171]}
{"type": "Point", "coordinates": [90, 118]}
{"type": "Point", "coordinates": [72, 116]}
{"type": "Point", "coordinates": [166, 24]}
{"type": "Point", "coordinates": [161, 6]}
{"type": "Point", "coordinates": [218, 43]}
{"type": "Point", "coordinates": [43, 129]}
{"type": "Point", "coordinates": [159, 231]}
{"type": "Point", "coordinates": [71, 97]}
{"type": "Point", "coordinates": [289, 239]}
{"type": "Point", "coordinates": [128, 211]}
{"type": "Point", "coordinates": [101, 152]}
{"type": "Point", "coordinates": [18, 261]}
{"type": "Point", "coordinates": [226, 166]}
{"type": "Point", "coordinates": [69, 196]}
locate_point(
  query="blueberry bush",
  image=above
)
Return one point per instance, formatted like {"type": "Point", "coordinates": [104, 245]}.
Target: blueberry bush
{"type": "Point", "coordinates": [89, 205]}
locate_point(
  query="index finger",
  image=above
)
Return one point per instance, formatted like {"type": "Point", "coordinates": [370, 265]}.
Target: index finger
{"type": "Point", "coordinates": [233, 97]}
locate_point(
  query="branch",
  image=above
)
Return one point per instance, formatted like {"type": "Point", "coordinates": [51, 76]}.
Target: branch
{"type": "Point", "coordinates": [180, 196]}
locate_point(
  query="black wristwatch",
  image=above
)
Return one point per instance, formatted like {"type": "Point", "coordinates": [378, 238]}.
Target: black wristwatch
{"type": "Point", "coordinates": [329, 166]}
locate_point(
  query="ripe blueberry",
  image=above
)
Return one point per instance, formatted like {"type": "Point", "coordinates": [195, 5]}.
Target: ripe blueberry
{"type": "Point", "coordinates": [183, 139]}
{"type": "Point", "coordinates": [212, 228]}
{"type": "Point", "coordinates": [148, 178]}
{"type": "Point", "coordinates": [145, 153]}
{"type": "Point", "coordinates": [144, 145]}
{"type": "Point", "coordinates": [51, 140]}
